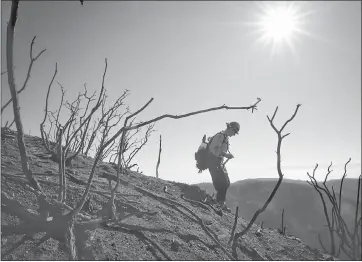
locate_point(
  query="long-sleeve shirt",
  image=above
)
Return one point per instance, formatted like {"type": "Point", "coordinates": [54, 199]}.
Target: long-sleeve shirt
{"type": "Point", "coordinates": [219, 144]}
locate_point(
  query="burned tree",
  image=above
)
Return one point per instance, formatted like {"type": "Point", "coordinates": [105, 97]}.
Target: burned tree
{"type": "Point", "coordinates": [281, 175]}
{"type": "Point", "coordinates": [347, 239]}
{"type": "Point", "coordinates": [282, 228]}
{"type": "Point", "coordinates": [95, 131]}
{"type": "Point", "coordinates": [134, 141]}
{"type": "Point", "coordinates": [76, 127]}
{"type": "Point", "coordinates": [110, 119]}
{"type": "Point", "coordinates": [234, 226]}
{"type": "Point", "coordinates": [14, 94]}
{"type": "Point", "coordinates": [133, 147]}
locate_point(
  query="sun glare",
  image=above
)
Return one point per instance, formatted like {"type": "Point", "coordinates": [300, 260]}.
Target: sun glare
{"type": "Point", "coordinates": [279, 23]}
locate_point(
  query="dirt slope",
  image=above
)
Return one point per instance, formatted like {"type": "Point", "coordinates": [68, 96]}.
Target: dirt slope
{"type": "Point", "coordinates": [153, 223]}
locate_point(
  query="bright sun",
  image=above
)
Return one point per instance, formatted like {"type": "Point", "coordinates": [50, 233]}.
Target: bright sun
{"type": "Point", "coordinates": [279, 23]}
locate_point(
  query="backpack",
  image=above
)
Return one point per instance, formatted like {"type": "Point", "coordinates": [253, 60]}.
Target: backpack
{"type": "Point", "coordinates": [201, 156]}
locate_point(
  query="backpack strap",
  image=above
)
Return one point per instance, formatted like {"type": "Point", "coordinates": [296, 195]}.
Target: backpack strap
{"type": "Point", "coordinates": [227, 142]}
{"type": "Point", "coordinates": [225, 138]}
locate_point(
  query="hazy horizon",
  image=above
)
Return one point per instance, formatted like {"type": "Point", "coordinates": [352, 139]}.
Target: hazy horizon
{"type": "Point", "coordinates": [196, 55]}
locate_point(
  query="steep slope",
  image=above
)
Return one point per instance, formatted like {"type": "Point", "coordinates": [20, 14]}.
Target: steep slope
{"type": "Point", "coordinates": [154, 221]}
{"type": "Point", "coordinates": [303, 212]}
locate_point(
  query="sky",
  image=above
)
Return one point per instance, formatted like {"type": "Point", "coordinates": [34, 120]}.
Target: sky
{"type": "Point", "coordinates": [191, 55]}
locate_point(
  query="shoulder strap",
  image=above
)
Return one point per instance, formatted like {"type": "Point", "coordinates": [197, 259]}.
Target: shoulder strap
{"type": "Point", "coordinates": [225, 137]}
{"type": "Point", "coordinates": [227, 142]}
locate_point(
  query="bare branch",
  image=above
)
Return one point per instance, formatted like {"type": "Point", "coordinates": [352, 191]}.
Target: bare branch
{"type": "Point", "coordinates": [32, 60]}
{"type": "Point", "coordinates": [295, 112]}
{"type": "Point", "coordinates": [316, 166]}
{"type": "Point", "coordinates": [276, 110]}
{"type": "Point", "coordinates": [348, 242]}
{"type": "Point", "coordinates": [141, 143]}
{"type": "Point", "coordinates": [60, 105]}
{"type": "Point", "coordinates": [329, 171]}
{"type": "Point", "coordinates": [330, 226]}
{"type": "Point", "coordinates": [45, 141]}
{"type": "Point", "coordinates": [11, 124]}
{"type": "Point", "coordinates": [340, 188]}
{"type": "Point", "coordinates": [94, 109]}
{"type": "Point", "coordinates": [89, 99]}
{"type": "Point", "coordinates": [179, 116]}
{"type": "Point", "coordinates": [259, 211]}
{"type": "Point", "coordinates": [192, 113]}
{"type": "Point", "coordinates": [285, 135]}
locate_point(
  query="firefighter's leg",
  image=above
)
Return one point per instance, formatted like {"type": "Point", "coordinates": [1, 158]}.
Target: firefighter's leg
{"type": "Point", "coordinates": [224, 183]}
{"type": "Point", "coordinates": [215, 170]}
{"type": "Point", "coordinates": [221, 182]}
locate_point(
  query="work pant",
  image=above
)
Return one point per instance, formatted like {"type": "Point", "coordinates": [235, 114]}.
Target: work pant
{"type": "Point", "coordinates": [220, 177]}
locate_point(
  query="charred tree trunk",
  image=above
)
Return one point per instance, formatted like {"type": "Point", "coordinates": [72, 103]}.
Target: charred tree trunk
{"type": "Point", "coordinates": [14, 95]}
{"type": "Point", "coordinates": [61, 166]}
{"type": "Point", "coordinates": [159, 157]}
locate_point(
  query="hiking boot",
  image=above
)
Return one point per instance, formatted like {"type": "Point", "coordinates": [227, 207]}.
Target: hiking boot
{"type": "Point", "coordinates": [218, 212]}
{"type": "Point", "coordinates": [225, 208]}
{"type": "Point", "coordinates": [222, 206]}
{"type": "Point", "coordinates": [208, 200]}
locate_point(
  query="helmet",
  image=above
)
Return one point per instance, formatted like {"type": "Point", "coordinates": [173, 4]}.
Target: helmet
{"type": "Point", "coordinates": [234, 125]}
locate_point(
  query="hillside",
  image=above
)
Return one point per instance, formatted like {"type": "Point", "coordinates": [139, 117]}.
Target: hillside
{"type": "Point", "coordinates": [154, 221]}
{"type": "Point", "coordinates": [303, 212]}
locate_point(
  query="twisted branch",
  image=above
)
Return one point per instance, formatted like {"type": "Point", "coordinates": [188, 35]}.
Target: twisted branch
{"type": "Point", "coordinates": [32, 60]}
{"type": "Point", "coordinates": [259, 211]}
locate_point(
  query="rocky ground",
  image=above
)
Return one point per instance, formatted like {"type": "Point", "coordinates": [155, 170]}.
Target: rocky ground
{"type": "Point", "coordinates": [155, 218]}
